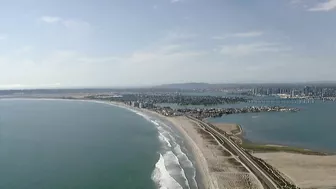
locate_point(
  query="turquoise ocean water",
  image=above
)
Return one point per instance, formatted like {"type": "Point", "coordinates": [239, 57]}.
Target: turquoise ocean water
{"type": "Point", "coordinates": [75, 144]}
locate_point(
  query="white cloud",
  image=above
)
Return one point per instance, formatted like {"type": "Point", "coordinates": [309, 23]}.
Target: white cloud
{"type": "Point", "coordinates": [72, 24]}
{"type": "Point", "coordinates": [169, 63]}
{"type": "Point", "coordinates": [179, 35]}
{"type": "Point", "coordinates": [50, 19]}
{"type": "Point", "coordinates": [165, 61]}
{"type": "Point", "coordinates": [24, 49]}
{"type": "Point", "coordinates": [3, 36]}
{"type": "Point", "coordinates": [325, 6]}
{"type": "Point", "coordinates": [99, 59]}
{"type": "Point", "coordinates": [241, 35]}
{"type": "Point", "coordinates": [251, 49]}
{"type": "Point", "coordinates": [176, 1]}
{"type": "Point", "coordinates": [76, 24]}
{"type": "Point", "coordinates": [23, 86]}
{"type": "Point", "coordinates": [249, 34]}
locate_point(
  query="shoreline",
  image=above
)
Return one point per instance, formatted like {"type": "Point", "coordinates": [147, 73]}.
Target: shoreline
{"type": "Point", "coordinates": [264, 147]}
{"type": "Point", "coordinates": [297, 165]}
{"type": "Point", "coordinates": [288, 160]}
{"type": "Point", "coordinates": [199, 177]}
{"type": "Point", "coordinates": [203, 177]}
{"type": "Point", "coordinates": [249, 144]}
{"type": "Point", "coordinates": [201, 165]}
{"type": "Point", "coordinates": [202, 168]}
{"type": "Point", "coordinates": [232, 174]}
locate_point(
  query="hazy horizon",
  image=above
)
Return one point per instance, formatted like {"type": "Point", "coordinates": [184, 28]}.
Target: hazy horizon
{"type": "Point", "coordinates": [127, 43]}
{"type": "Point", "coordinates": [17, 87]}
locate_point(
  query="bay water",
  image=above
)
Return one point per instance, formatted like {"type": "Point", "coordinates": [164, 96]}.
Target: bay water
{"type": "Point", "coordinates": [313, 127]}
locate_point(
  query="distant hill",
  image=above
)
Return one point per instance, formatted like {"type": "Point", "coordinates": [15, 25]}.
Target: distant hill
{"type": "Point", "coordinates": [190, 86]}
{"type": "Point", "coordinates": [184, 86]}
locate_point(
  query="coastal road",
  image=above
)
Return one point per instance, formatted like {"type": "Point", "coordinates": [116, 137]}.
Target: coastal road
{"type": "Point", "coordinates": [245, 158]}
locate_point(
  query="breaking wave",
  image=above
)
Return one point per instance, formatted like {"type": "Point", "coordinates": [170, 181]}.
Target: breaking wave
{"type": "Point", "coordinates": [164, 139]}
{"type": "Point", "coordinates": [186, 162]}
{"type": "Point", "coordinates": [173, 165]}
{"type": "Point", "coordinates": [162, 177]}
{"type": "Point", "coordinates": [177, 164]}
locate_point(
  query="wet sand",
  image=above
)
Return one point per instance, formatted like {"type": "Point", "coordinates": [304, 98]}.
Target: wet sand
{"type": "Point", "coordinates": [306, 171]}
{"type": "Point", "coordinates": [219, 168]}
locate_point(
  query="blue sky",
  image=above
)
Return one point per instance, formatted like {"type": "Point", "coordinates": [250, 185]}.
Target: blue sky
{"type": "Point", "coordinates": [114, 43]}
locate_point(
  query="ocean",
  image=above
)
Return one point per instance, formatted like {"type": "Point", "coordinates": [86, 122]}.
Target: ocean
{"type": "Point", "coordinates": [77, 144]}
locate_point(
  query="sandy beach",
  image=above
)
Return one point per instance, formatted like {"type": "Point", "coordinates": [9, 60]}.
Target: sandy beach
{"type": "Point", "coordinates": [219, 168]}
{"type": "Point", "coordinates": [306, 171]}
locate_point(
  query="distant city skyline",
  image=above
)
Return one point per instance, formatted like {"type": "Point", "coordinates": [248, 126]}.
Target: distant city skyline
{"type": "Point", "coordinates": [125, 43]}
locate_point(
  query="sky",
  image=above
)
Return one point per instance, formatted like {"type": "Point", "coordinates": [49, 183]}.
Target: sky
{"type": "Point", "coordinates": [126, 43]}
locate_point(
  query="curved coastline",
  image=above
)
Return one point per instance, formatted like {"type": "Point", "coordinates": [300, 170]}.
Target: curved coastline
{"type": "Point", "coordinates": [202, 177]}
{"type": "Point", "coordinates": [275, 155]}
{"type": "Point", "coordinates": [75, 137]}
{"type": "Point", "coordinates": [144, 113]}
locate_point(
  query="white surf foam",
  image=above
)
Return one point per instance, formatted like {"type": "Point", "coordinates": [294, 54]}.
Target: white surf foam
{"type": "Point", "coordinates": [155, 122]}
{"type": "Point", "coordinates": [162, 177]}
{"type": "Point", "coordinates": [186, 162]}
{"type": "Point", "coordinates": [164, 139]}
{"type": "Point", "coordinates": [173, 166]}
{"type": "Point", "coordinates": [169, 163]}
{"type": "Point", "coordinates": [167, 127]}
{"type": "Point", "coordinates": [182, 156]}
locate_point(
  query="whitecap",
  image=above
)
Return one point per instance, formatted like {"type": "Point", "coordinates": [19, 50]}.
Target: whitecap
{"type": "Point", "coordinates": [186, 162]}
{"type": "Point", "coordinates": [162, 177]}
{"type": "Point", "coordinates": [174, 168]}
{"type": "Point", "coordinates": [182, 156]}
{"type": "Point", "coordinates": [164, 139]}
{"type": "Point", "coordinates": [155, 122]}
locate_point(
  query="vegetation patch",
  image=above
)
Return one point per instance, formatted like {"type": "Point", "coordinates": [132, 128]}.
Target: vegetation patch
{"type": "Point", "coordinates": [275, 148]}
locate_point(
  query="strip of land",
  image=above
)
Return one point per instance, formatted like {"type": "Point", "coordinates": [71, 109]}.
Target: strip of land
{"type": "Point", "coordinates": [305, 168]}
{"type": "Point", "coordinates": [219, 168]}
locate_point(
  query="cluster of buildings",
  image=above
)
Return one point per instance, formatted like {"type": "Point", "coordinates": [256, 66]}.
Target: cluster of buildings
{"type": "Point", "coordinates": [178, 99]}
{"type": "Point", "coordinates": [202, 113]}
{"type": "Point", "coordinates": [294, 92]}
{"type": "Point", "coordinates": [138, 104]}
